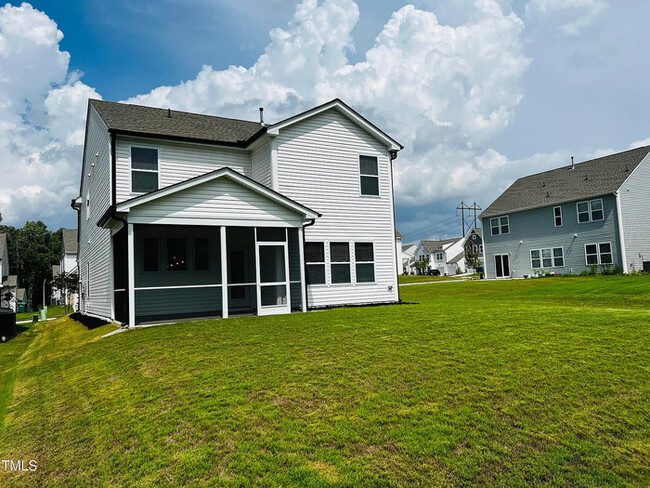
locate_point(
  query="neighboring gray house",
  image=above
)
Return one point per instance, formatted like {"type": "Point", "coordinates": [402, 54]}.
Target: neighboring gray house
{"type": "Point", "coordinates": [68, 264]}
{"type": "Point", "coordinates": [572, 218]}
{"type": "Point", "coordinates": [474, 241]}
{"type": "Point", "coordinates": [8, 283]}
{"type": "Point", "coordinates": [191, 215]}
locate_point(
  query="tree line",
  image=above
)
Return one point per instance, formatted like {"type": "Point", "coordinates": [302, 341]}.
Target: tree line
{"type": "Point", "coordinates": [33, 249]}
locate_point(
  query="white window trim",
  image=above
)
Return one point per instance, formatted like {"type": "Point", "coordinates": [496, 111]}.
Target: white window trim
{"type": "Point", "coordinates": [144, 146]}
{"type": "Point", "coordinates": [555, 216]}
{"type": "Point", "coordinates": [590, 210]}
{"type": "Point", "coordinates": [599, 263]}
{"type": "Point", "coordinates": [541, 258]}
{"type": "Point", "coordinates": [499, 225]}
{"type": "Point", "coordinates": [369, 176]}
{"type": "Point", "coordinates": [374, 261]}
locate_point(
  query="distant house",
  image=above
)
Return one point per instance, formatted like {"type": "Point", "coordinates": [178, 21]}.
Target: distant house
{"type": "Point", "coordinates": [68, 265]}
{"type": "Point", "coordinates": [192, 215]}
{"type": "Point", "coordinates": [572, 219]}
{"type": "Point", "coordinates": [446, 256]}
{"type": "Point", "coordinates": [474, 242]}
{"type": "Point", "coordinates": [399, 238]}
{"type": "Point", "coordinates": [57, 295]}
{"type": "Point", "coordinates": [407, 254]}
{"type": "Point", "coordinates": [8, 283]}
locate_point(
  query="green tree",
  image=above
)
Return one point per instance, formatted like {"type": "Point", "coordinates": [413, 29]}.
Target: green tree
{"type": "Point", "coordinates": [472, 258]}
{"type": "Point", "coordinates": [69, 283]}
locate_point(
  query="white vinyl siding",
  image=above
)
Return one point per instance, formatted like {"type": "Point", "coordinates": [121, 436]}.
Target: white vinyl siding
{"type": "Point", "coordinates": [634, 200]}
{"type": "Point", "coordinates": [176, 162]}
{"type": "Point", "coordinates": [261, 164]}
{"type": "Point", "coordinates": [318, 166]}
{"type": "Point", "coordinates": [95, 243]}
{"type": "Point", "coordinates": [590, 211]}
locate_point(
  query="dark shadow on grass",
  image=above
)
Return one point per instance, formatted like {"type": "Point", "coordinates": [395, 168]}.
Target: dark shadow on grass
{"type": "Point", "coordinates": [89, 322]}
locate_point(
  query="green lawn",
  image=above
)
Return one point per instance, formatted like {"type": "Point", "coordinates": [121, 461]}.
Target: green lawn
{"type": "Point", "coordinates": [55, 311]}
{"type": "Point", "coordinates": [516, 383]}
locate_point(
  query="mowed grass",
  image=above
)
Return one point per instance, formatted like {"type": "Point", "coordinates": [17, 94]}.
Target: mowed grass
{"type": "Point", "coordinates": [53, 311]}
{"type": "Point", "coordinates": [520, 383]}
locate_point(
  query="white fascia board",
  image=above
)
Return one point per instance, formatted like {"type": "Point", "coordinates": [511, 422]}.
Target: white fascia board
{"type": "Point", "coordinates": [393, 145]}
{"type": "Point", "coordinates": [220, 173]}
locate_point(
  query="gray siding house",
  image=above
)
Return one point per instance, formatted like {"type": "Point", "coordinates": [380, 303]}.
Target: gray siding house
{"type": "Point", "coordinates": [570, 219]}
{"type": "Point", "coordinates": [191, 215]}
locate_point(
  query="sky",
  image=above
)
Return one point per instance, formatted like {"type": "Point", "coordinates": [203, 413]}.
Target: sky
{"type": "Point", "coordinates": [480, 92]}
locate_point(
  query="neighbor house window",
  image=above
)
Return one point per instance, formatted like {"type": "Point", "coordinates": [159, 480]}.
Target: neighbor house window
{"type": "Point", "coordinates": [176, 254]}
{"type": "Point", "coordinates": [364, 257]}
{"type": "Point", "coordinates": [590, 211]}
{"type": "Point", "coordinates": [439, 256]}
{"type": "Point", "coordinates": [500, 225]}
{"type": "Point", "coordinates": [201, 254]}
{"type": "Point", "coordinates": [600, 253]}
{"type": "Point", "coordinates": [557, 216]}
{"type": "Point", "coordinates": [315, 260]}
{"type": "Point", "coordinates": [150, 254]}
{"type": "Point", "coordinates": [547, 258]}
{"type": "Point", "coordinates": [144, 169]}
{"type": "Point", "coordinates": [340, 262]}
{"type": "Point", "coordinates": [369, 175]}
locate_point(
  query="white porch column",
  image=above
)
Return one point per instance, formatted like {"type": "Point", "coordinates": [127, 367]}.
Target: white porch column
{"type": "Point", "coordinates": [224, 273]}
{"type": "Point", "coordinates": [303, 282]}
{"type": "Point", "coordinates": [130, 245]}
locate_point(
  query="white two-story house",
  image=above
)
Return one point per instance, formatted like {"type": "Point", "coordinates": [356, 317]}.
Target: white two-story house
{"type": "Point", "coordinates": [190, 215]}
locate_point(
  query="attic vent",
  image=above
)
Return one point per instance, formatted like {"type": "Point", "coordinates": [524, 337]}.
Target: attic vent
{"type": "Point", "coordinates": [262, 117]}
{"type": "Point", "coordinates": [169, 113]}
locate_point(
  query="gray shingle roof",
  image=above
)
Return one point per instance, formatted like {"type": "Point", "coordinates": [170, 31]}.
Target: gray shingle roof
{"type": "Point", "coordinates": [432, 246]}
{"type": "Point", "coordinates": [70, 244]}
{"type": "Point", "coordinates": [3, 244]}
{"type": "Point", "coordinates": [597, 177]}
{"type": "Point", "coordinates": [137, 119]}
{"type": "Point", "coordinates": [457, 258]}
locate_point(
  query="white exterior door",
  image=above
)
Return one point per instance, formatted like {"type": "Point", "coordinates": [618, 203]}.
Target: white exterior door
{"type": "Point", "coordinates": [272, 278]}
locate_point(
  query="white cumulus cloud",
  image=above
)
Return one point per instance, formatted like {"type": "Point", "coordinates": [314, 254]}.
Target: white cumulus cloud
{"type": "Point", "coordinates": [576, 14]}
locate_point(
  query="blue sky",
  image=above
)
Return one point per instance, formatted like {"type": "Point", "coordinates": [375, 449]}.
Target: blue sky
{"type": "Point", "coordinates": [480, 91]}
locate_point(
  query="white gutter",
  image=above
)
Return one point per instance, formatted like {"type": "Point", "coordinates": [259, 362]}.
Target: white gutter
{"type": "Point", "coordinates": [621, 240]}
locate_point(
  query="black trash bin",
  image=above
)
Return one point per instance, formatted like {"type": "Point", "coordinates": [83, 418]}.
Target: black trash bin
{"type": "Point", "coordinates": [7, 324]}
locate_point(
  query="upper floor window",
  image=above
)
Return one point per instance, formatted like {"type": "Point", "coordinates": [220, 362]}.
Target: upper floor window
{"type": "Point", "coordinates": [500, 225]}
{"type": "Point", "coordinates": [557, 216]}
{"type": "Point", "coordinates": [439, 256]}
{"type": "Point", "coordinates": [144, 169]}
{"type": "Point", "coordinates": [369, 175]}
{"type": "Point", "coordinates": [590, 211]}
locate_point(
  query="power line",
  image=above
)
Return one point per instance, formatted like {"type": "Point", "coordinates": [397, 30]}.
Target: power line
{"type": "Point", "coordinates": [471, 225]}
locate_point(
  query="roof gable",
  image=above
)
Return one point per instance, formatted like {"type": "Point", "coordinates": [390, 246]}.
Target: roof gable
{"type": "Point", "coordinates": [345, 110]}
{"type": "Point", "coordinates": [597, 177]}
{"type": "Point", "coordinates": [69, 241]}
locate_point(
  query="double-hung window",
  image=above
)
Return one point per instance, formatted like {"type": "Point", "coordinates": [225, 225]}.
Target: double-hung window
{"type": "Point", "coordinates": [590, 211]}
{"type": "Point", "coordinates": [369, 175]}
{"type": "Point", "coordinates": [144, 169]}
{"type": "Point", "coordinates": [315, 260]}
{"type": "Point", "coordinates": [364, 257]}
{"type": "Point", "coordinates": [500, 225]}
{"type": "Point", "coordinates": [557, 216]}
{"type": "Point", "coordinates": [439, 256]}
{"type": "Point", "coordinates": [600, 253]}
{"type": "Point", "coordinates": [340, 262]}
{"type": "Point", "coordinates": [547, 258]}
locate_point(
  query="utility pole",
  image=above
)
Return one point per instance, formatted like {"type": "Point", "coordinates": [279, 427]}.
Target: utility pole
{"type": "Point", "coordinates": [463, 207]}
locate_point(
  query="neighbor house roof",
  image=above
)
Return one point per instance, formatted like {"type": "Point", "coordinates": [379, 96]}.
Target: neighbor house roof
{"type": "Point", "coordinates": [432, 246]}
{"type": "Point", "coordinates": [70, 244]}
{"type": "Point", "coordinates": [3, 244]}
{"type": "Point", "coordinates": [597, 177]}
{"type": "Point", "coordinates": [457, 258]}
{"type": "Point", "coordinates": [131, 119]}
{"type": "Point", "coordinates": [12, 280]}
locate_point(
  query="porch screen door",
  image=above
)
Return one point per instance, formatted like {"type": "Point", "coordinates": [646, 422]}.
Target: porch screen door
{"type": "Point", "coordinates": [273, 278]}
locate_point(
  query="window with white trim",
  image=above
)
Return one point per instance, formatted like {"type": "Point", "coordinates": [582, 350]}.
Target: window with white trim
{"type": "Point", "coordinates": [340, 262]}
{"type": "Point", "coordinates": [590, 211]}
{"type": "Point", "coordinates": [439, 256]}
{"type": "Point", "coordinates": [315, 260]}
{"type": "Point", "coordinates": [557, 216]}
{"type": "Point", "coordinates": [369, 175]}
{"type": "Point", "coordinates": [547, 258]}
{"type": "Point", "coordinates": [364, 257]}
{"type": "Point", "coordinates": [500, 225]}
{"type": "Point", "coordinates": [144, 169]}
{"type": "Point", "coordinates": [599, 253]}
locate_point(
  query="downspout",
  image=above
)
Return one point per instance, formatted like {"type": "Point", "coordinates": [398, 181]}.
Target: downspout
{"type": "Point", "coordinates": [393, 157]}
{"type": "Point", "coordinates": [621, 239]}
{"type": "Point", "coordinates": [304, 264]}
